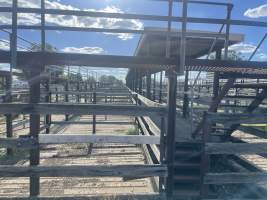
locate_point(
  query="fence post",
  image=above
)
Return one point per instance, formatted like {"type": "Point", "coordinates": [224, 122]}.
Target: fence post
{"type": "Point", "coordinates": [204, 156]}
{"type": "Point", "coordinates": [94, 116]}
{"type": "Point", "coordinates": [9, 120]}
{"type": "Point", "coordinates": [162, 149]}
{"type": "Point", "coordinates": [34, 132]}
{"type": "Point", "coordinates": [170, 141]}
{"type": "Point", "coordinates": [67, 97]}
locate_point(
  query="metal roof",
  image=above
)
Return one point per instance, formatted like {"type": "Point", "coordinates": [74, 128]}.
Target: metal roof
{"type": "Point", "coordinates": [198, 43]}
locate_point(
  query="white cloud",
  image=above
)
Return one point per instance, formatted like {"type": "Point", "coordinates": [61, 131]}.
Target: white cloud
{"type": "Point", "coordinates": [74, 21]}
{"type": "Point", "coordinates": [263, 56]}
{"type": "Point", "coordinates": [4, 44]}
{"type": "Point", "coordinates": [257, 12]}
{"type": "Point", "coordinates": [247, 49]}
{"type": "Point", "coordinates": [86, 50]}
{"type": "Point", "coordinates": [243, 48]}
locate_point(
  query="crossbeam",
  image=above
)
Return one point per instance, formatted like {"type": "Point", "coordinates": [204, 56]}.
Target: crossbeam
{"type": "Point", "coordinates": [232, 178]}
{"type": "Point", "coordinates": [131, 196]}
{"type": "Point", "coordinates": [137, 171]}
{"type": "Point", "coordinates": [79, 109]}
{"type": "Point", "coordinates": [78, 138]}
{"type": "Point", "coordinates": [236, 148]}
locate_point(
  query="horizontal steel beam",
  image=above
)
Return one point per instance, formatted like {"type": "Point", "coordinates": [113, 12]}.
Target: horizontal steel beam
{"type": "Point", "coordinates": [79, 109]}
{"type": "Point", "coordinates": [35, 59]}
{"type": "Point", "coordinates": [136, 171]}
{"type": "Point", "coordinates": [98, 139]}
{"type": "Point", "coordinates": [135, 196]}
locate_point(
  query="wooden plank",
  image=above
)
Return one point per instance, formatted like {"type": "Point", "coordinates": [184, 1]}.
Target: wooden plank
{"type": "Point", "coordinates": [233, 178]}
{"type": "Point", "coordinates": [148, 102]}
{"type": "Point", "coordinates": [154, 180]}
{"type": "Point", "coordinates": [154, 147]}
{"type": "Point", "coordinates": [139, 171]}
{"type": "Point", "coordinates": [152, 126]}
{"type": "Point", "coordinates": [90, 122]}
{"type": "Point", "coordinates": [99, 94]}
{"type": "Point", "coordinates": [253, 131]}
{"type": "Point", "coordinates": [132, 196]}
{"type": "Point", "coordinates": [75, 138]}
{"type": "Point", "coordinates": [236, 148]}
{"type": "Point", "coordinates": [229, 119]}
{"type": "Point", "coordinates": [19, 143]}
{"type": "Point", "coordinates": [79, 109]}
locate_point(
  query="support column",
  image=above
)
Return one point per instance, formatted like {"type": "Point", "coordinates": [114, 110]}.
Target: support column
{"type": "Point", "coordinates": [186, 99]}
{"type": "Point", "coordinates": [154, 87]}
{"type": "Point", "coordinates": [34, 133]}
{"type": "Point", "coordinates": [47, 100]}
{"type": "Point", "coordinates": [67, 97]}
{"type": "Point", "coordinates": [148, 85]}
{"type": "Point", "coordinates": [140, 82]}
{"type": "Point", "coordinates": [9, 120]}
{"type": "Point", "coordinates": [216, 78]}
{"type": "Point", "coordinates": [170, 143]}
{"type": "Point", "coordinates": [94, 116]}
{"type": "Point", "coordinates": [160, 87]}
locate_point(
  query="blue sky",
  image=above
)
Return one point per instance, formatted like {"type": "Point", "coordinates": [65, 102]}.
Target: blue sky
{"type": "Point", "coordinates": [125, 44]}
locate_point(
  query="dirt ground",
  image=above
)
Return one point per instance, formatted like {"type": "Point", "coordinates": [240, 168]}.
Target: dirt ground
{"type": "Point", "coordinates": [77, 154]}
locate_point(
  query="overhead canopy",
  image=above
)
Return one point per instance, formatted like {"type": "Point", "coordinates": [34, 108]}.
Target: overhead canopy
{"type": "Point", "coordinates": [198, 43]}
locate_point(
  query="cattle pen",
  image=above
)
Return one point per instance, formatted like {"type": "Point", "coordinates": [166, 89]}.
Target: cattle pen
{"type": "Point", "coordinates": [156, 136]}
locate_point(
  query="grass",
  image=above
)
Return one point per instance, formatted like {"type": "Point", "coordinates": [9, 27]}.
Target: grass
{"type": "Point", "coordinates": [17, 156]}
{"type": "Point", "coordinates": [132, 131]}
{"type": "Point", "coordinates": [261, 127]}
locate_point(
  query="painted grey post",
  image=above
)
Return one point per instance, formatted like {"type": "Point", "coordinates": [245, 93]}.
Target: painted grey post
{"type": "Point", "coordinates": [227, 32]}
{"type": "Point", "coordinates": [13, 64]}
{"type": "Point", "coordinates": [154, 87]}
{"type": "Point", "coordinates": [148, 84]}
{"type": "Point", "coordinates": [171, 103]}
{"type": "Point", "coordinates": [43, 48]}
{"type": "Point", "coordinates": [160, 87]}
{"type": "Point", "coordinates": [182, 60]}
{"type": "Point", "coordinates": [9, 120]}
{"type": "Point", "coordinates": [34, 133]}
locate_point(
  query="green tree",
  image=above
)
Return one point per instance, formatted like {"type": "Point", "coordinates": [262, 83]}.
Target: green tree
{"type": "Point", "coordinates": [109, 79]}
{"type": "Point", "coordinates": [53, 70]}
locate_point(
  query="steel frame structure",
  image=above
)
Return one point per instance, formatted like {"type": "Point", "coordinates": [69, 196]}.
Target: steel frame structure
{"type": "Point", "coordinates": [174, 66]}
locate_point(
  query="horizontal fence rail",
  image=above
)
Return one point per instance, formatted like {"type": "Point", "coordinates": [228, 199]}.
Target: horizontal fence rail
{"type": "Point", "coordinates": [78, 109]}
{"type": "Point", "coordinates": [134, 171]}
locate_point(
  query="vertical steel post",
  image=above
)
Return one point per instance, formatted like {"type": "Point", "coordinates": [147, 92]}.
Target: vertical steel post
{"type": "Point", "coordinates": [9, 121]}
{"type": "Point", "coordinates": [170, 143]}
{"type": "Point", "coordinates": [182, 60]}
{"type": "Point", "coordinates": [34, 132]}
{"type": "Point", "coordinates": [216, 79]}
{"type": "Point", "coordinates": [171, 118]}
{"type": "Point", "coordinates": [148, 84]}
{"type": "Point", "coordinates": [13, 64]}
{"type": "Point", "coordinates": [186, 99]}
{"type": "Point", "coordinates": [162, 148]}
{"type": "Point", "coordinates": [160, 87]}
{"type": "Point", "coordinates": [67, 90]}
{"type": "Point", "coordinates": [154, 87]}
{"type": "Point", "coordinates": [204, 157]}
{"type": "Point", "coordinates": [94, 116]}
{"type": "Point", "coordinates": [48, 100]}
{"type": "Point", "coordinates": [140, 90]}
{"type": "Point", "coordinates": [227, 32]}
